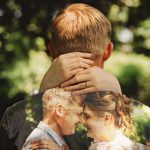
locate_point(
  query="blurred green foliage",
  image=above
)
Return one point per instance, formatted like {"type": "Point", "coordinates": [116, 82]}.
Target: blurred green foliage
{"type": "Point", "coordinates": [141, 118]}
{"type": "Point", "coordinates": [24, 35]}
{"type": "Point", "coordinates": [133, 73]}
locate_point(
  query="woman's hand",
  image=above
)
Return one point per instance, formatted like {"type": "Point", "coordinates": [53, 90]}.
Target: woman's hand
{"type": "Point", "coordinates": [43, 144]}
{"type": "Point", "coordinates": [65, 67]}
{"type": "Point", "coordinates": [90, 80]}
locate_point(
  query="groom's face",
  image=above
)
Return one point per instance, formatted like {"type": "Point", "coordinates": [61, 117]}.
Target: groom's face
{"type": "Point", "coordinates": [71, 117]}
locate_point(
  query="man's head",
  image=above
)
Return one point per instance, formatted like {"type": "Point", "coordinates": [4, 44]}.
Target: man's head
{"type": "Point", "coordinates": [80, 27]}
{"type": "Point", "coordinates": [61, 110]}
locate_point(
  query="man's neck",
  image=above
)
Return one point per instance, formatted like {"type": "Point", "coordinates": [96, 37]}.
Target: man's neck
{"type": "Point", "coordinates": [98, 62]}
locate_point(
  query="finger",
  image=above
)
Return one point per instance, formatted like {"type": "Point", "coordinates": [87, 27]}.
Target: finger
{"type": "Point", "coordinates": [40, 146]}
{"type": "Point", "coordinates": [74, 72]}
{"type": "Point", "coordinates": [74, 63]}
{"type": "Point", "coordinates": [84, 91]}
{"type": "Point", "coordinates": [85, 60]}
{"type": "Point", "coordinates": [77, 86]}
{"type": "Point", "coordinates": [78, 65]}
{"type": "Point", "coordinates": [75, 79]}
{"type": "Point", "coordinates": [79, 59]}
{"type": "Point", "coordinates": [77, 54]}
{"type": "Point", "coordinates": [84, 71]}
{"type": "Point", "coordinates": [42, 141]}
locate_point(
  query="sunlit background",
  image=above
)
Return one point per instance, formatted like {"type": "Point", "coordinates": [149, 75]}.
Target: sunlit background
{"type": "Point", "coordinates": [24, 34]}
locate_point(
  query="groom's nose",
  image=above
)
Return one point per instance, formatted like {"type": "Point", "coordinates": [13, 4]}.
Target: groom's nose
{"type": "Point", "coordinates": [82, 120]}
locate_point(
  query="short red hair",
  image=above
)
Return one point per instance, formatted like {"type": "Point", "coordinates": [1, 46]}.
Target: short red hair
{"type": "Point", "coordinates": [80, 27]}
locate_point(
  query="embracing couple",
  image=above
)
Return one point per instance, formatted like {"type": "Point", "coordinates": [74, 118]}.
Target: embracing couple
{"type": "Point", "coordinates": [76, 89]}
{"type": "Point", "coordinates": [106, 115]}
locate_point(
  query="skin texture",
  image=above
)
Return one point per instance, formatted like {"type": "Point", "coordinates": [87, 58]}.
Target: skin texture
{"type": "Point", "coordinates": [43, 144]}
{"type": "Point", "coordinates": [61, 111]}
{"type": "Point", "coordinates": [76, 72]}
{"type": "Point", "coordinates": [64, 67]}
{"type": "Point", "coordinates": [79, 72]}
{"type": "Point", "coordinates": [99, 127]}
{"type": "Point", "coordinates": [63, 119]}
{"type": "Point", "coordinates": [71, 119]}
{"type": "Point", "coordinates": [95, 79]}
{"type": "Point", "coordinates": [68, 35]}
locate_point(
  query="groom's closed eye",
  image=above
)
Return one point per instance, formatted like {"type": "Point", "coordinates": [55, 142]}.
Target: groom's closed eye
{"type": "Point", "coordinates": [86, 116]}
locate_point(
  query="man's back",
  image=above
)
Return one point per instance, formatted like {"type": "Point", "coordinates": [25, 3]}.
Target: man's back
{"type": "Point", "coordinates": [43, 131]}
{"type": "Point", "coordinates": [18, 122]}
{"type": "Point", "coordinates": [21, 119]}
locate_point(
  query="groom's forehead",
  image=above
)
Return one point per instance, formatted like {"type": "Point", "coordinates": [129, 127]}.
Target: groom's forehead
{"type": "Point", "coordinates": [78, 100]}
{"type": "Point", "coordinates": [76, 108]}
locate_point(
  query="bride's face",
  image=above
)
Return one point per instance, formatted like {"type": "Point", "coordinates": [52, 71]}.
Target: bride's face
{"type": "Point", "coordinates": [97, 126]}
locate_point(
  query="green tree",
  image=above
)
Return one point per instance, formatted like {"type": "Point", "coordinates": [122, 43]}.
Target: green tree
{"type": "Point", "coordinates": [24, 35]}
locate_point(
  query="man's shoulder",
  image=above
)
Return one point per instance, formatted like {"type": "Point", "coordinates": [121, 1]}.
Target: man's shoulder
{"type": "Point", "coordinates": [19, 119]}
{"type": "Point", "coordinates": [38, 135]}
{"type": "Point", "coordinates": [18, 109]}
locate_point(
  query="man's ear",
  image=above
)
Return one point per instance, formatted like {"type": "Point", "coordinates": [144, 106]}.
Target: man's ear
{"type": "Point", "coordinates": [51, 50]}
{"type": "Point", "coordinates": [108, 51]}
{"type": "Point", "coordinates": [59, 110]}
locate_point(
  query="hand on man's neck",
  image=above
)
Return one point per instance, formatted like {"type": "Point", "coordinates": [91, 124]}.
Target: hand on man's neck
{"type": "Point", "coordinates": [99, 62]}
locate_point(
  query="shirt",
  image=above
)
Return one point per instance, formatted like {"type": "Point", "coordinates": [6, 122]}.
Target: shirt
{"type": "Point", "coordinates": [43, 131]}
